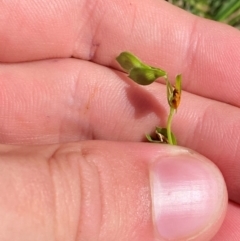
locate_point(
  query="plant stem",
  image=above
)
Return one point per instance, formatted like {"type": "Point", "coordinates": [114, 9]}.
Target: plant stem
{"type": "Point", "coordinates": [169, 123]}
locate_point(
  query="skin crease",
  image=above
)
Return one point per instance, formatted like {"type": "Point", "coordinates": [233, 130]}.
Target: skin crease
{"type": "Point", "coordinates": [47, 98]}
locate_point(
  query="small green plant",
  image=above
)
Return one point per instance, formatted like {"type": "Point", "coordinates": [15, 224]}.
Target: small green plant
{"type": "Point", "coordinates": [144, 74]}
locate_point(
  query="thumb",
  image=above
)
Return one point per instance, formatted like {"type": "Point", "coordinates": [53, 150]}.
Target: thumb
{"type": "Point", "coordinates": [108, 191]}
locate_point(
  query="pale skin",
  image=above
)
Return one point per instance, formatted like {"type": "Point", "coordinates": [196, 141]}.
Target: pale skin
{"type": "Point", "coordinates": [68, 186]}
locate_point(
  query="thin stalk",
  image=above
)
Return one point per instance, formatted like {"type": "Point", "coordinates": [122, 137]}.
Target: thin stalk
{"type": "Point", "coordinates": [169, 124]}
{"type": "Point", "coordinates": [227, 9]}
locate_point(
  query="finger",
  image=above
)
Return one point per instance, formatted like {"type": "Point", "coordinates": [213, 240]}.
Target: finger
{"type": "Point", "coordinates": [230, 228]}
{"type": "Point", "coordinates": [38, 30]}
{"type": "Point", "coordinates": [109, 191]}
{"type": "Point", "coordinates": [56, 102]}
{"type": "Point", "coordinates": [199, 49]}
{"type": "Point", "coordinates": [211, 128]}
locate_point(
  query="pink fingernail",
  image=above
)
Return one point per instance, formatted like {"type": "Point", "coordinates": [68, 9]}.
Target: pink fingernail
{"type": "Point", "coordinates": [185, 196]}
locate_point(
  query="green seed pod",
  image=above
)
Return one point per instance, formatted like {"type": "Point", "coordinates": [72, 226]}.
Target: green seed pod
{"type": "Point", "coordinates": [129, 61]}
{"type": "Point", "coordinates": [145, 76]}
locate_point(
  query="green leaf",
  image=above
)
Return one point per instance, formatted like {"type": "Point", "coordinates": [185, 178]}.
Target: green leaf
{"type": "Point", "coordinates": [128, 61]}
{"type": "Point", "coordinates": [163, 131]}
{"type": "Point", "coordinates": [145, 76]}
{"type": "Point", "coordinates": [150, 139]}
{"type": "Point", "coordinates": [161, 136]}
{"type": "Point", "coordinates": [178, 83]}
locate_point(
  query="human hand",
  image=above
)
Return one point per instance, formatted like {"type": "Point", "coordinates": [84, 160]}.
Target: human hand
{"type": "Point", "coordinates": [98, 190]}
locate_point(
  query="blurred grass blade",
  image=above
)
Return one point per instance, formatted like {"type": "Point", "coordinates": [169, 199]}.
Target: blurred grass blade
{"type": "Point", "coordinates": [227, 9]}
{"type": "Point", "coordinates": [235, 19]}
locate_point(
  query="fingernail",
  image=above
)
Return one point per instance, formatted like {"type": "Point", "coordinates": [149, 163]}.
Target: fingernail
{"type": "Point", "coordinates": [185, 196]}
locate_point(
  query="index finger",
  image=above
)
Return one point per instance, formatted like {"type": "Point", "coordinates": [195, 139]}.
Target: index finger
{"type": "Point", "coordinates": [203, 51]}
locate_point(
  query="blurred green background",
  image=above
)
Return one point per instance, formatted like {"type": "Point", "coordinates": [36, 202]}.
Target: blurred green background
{"type": "Point", "coordinates": [227, 11]}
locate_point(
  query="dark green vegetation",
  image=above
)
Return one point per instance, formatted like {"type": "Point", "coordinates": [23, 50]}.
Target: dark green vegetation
{"type": "Point", "coordinates": [227, 11]}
